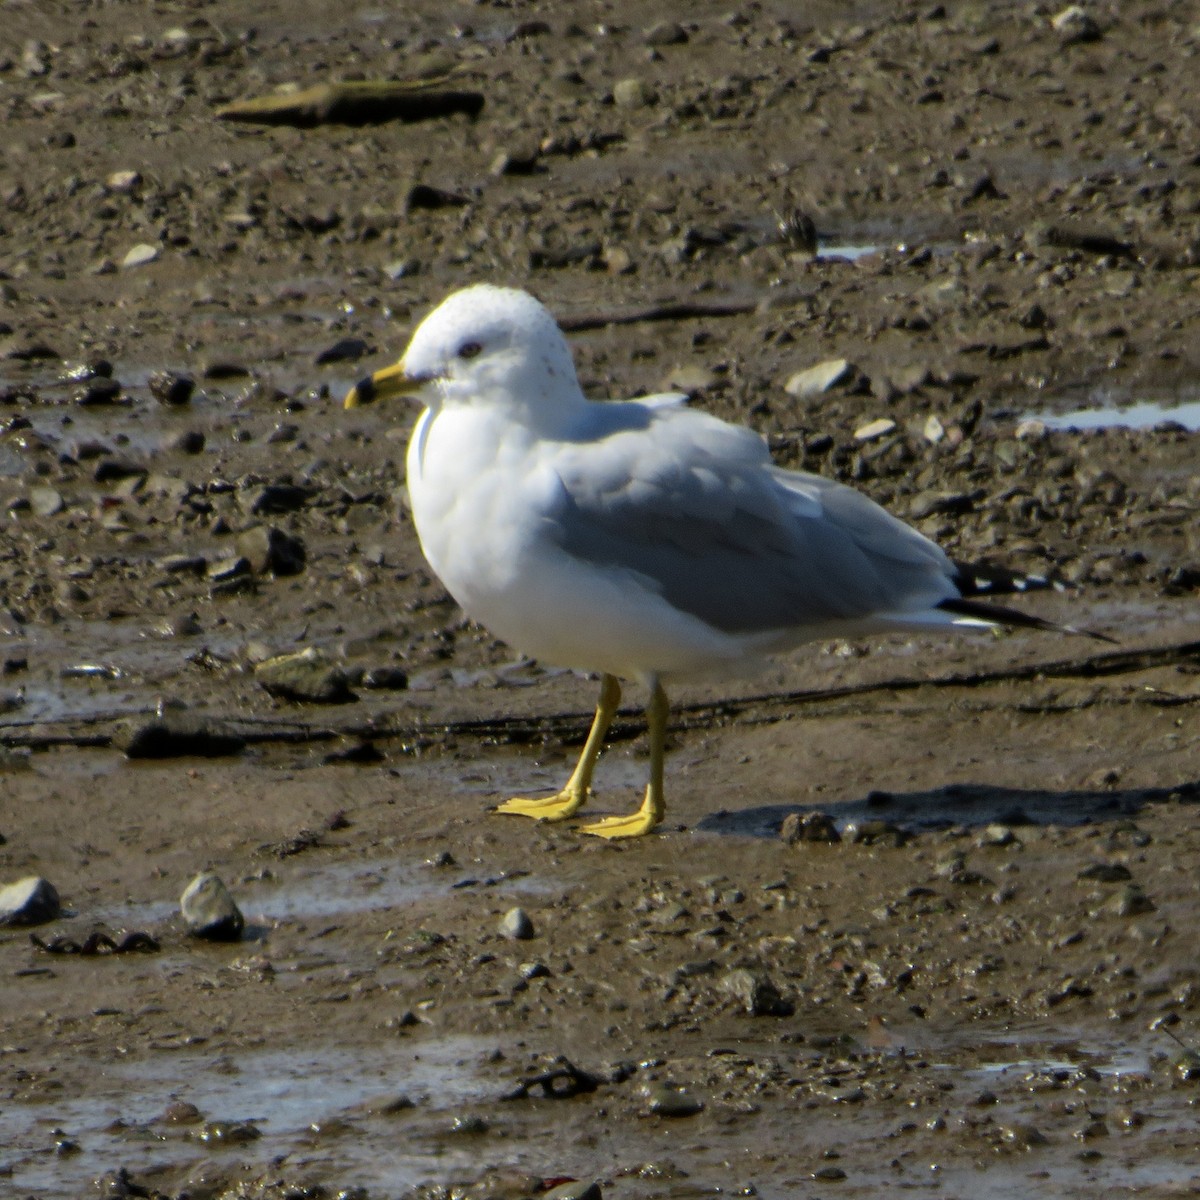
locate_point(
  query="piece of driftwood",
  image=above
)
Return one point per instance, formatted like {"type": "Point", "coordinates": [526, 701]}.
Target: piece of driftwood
{"type": "Point", "coordinates": [677, 310]}
{"type": "Point", "coordinates": [365, 102]}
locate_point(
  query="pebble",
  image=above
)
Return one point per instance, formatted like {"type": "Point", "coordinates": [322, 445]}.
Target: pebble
{"type": "Point", "coordinates": [576, 1189]}
{"type": "Point", "coordinates": [270, 550]}
{"type": "Point", "coordinates": [123, 181]}
{"type": "Point", "coordinates": [1103, 872]}
{"type": "Point", "coordinates": [632, 93]}
{"type": "Point", "coordinates": [29, 901]}
{"type": "Point", "coordinates": [176, 736]}
{"type": "Point", "coordinates": [875, 429]}
{"type": "Point", "coordinates": [809, 827]}
{"type": "Point", "coordinates": [668, 1100]}
{"type": "Point", "coordinates": [394, 679]}
{"type": "Point", "coordinates": [1075, 24]}
{"type": "Point", "coordinates": [516, 925]}
{"type": "Point", "coordinates": [819, 379]}
{"type": "Point", "coordinates": [168, 388]}
{"type": "Point", "coordinates": [306, 676]}
{"type": "Point", "coordinates": [210, 911]}
{"type": "Point", "coordinates": [1130, 901]}
{"type": "Point", "coordinates": [46, 501]}
{"type": "Point", "coordinates": [756, 993]}
{"type": "Point", "coordinates": [140, 255]}
{"type": "Point", "coordinates": [665, 33]}
{"type": "Point", "coordinates": [349, 349]}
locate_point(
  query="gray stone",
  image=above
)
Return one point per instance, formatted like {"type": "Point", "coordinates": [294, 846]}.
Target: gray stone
{"type": "Point", "coordinates": [30, 901]}
{"type": "Point", "coordinates": [269, 549]}
{"type": "Point", "coordinates": [1104, 872]}
{"type": "Point", "coordinates": [45, 501]}
{"type": "Point", "coordinates": [176, 736]}
{"type": "Point", "coordinates": [819, 379]}
{"type": "Point", "coordinates": [756, 993]}
{"type": "Point", "coordinates": [880, 427]}
{"type": "Point", "coordinates": [632, 93]}
{"type": "Point", "coordinates": [168, 388]}
{"type": "Point", "coordinates": [515, 924]}
{"type": "Point", "coordinates": [210, 911]}
{"type": "Point", "coordinates": [1075, 24]}
{"type": "Point", "coordinates": [306, 676]}
{"type": "Point", "coordinates": [576, 1189]}
{"type": "Point", "coordinates": [667, 1100]}
{"type": "Point", "coordinates": [665, 33]}
{"type": "Point", "coordinates": [140, 255]}
{"type": "Point", "coordinates": [809, 827]}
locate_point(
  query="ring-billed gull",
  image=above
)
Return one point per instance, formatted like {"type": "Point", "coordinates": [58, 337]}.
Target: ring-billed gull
{"type": "Point", "coordinates": [640, 540]}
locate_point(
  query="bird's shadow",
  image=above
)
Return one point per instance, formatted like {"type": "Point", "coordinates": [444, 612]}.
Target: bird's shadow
{"type": "Point", "coordinates": [967, 805]}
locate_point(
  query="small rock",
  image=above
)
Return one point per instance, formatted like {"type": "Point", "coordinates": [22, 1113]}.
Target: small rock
{"type": "Point", "coordinates": [45, 501]}
{"type": "Point", "coordinates": [209, 910]}
{"type": "Point", "coordinates": [876, 833]}
{"type": "Point", "coordinates": [99, 390]}
{"type": "Point", "coordinates": [349, 349]}
{"type": "Point", "coordinates": [394, 679]}
{"type": "Point", "coordinates": [809, 827]}
{"type": "Point", "coordinates": [225, 569]}
{"type": "Point", "coordinates": [176, 736]}
{"type": "Point", "coordinates": [689, 378]}
{"type": "Point", "coordinates": [29, 901]}
{"type": "Point", "coordinates": [576, 1189]}
{"type": "Point", "coordinates": [632, 93]}
{"type": "Point", "coordinates": [140, 255]}
{"type": "Point", "coordinates": [1075, 24]}
{"type": "Point", "coordinates": [516, 160]}
{"type": "Point", "coordinates": [819, 379]}
{"type": "Point", "coordinates": [269, 549]}
{"type": "Point", "coordinates": [618, 261]}
{"type": "Point", "coordinates": [667, 1100]}
{"type": "Point", "coordinates": [168, 388]}
{"type": "Point", "coordinates": [756, 993]}
{"type": "Point", "coordinates": [933, 430]}
{"type": "Point", "coordinates": [515, 924]}
{"type": "Point", "coordinates": [874, 429]}
{"type": "Point", "coordinates": [1103, 872]}
{"type": "Point", "coordinates": [191, 441]}
{"type": "Point", "coordinates": [306, 676]}
{"type": "Point", "coordinates": [665, 33]}
{"type": "Point", "coordinates": [123, 181]}
{"type": "Point", "coordinates": [110, 470]}
{"type": "Point", "coordinates": [1130, 901]}
{"type": "Point", "coordinates": [182, 564]}
{"type": "Point", "coordinates": [223, 368]}
{"type": "Point", "coordinates": [275, 498]}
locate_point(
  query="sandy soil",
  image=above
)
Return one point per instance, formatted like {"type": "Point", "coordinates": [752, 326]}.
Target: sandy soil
{"type": "Point", "coordinates": [989, 984]}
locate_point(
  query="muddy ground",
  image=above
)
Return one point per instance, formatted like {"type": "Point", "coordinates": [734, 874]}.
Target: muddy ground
{"type": "Point", "coordinates": [989, 984]}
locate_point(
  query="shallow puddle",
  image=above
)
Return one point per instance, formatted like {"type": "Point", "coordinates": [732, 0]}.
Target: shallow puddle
{"type": "Point", "coordinates": [292, 1100]}
{"type": "Point", "coordinates": [1144, 415]}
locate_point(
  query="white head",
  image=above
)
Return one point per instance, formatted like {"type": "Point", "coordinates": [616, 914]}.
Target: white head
{"type": "Point", "coordinates": [484, 345]}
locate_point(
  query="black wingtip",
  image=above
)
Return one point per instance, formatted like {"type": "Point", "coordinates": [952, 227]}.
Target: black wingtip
{"type": "Point", "coordinates": [1013, 618]}
{"type": "Point", "coordinates": [986, 579]}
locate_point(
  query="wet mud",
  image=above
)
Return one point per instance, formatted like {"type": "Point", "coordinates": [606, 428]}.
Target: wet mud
{"type": "Point", "coordinates": [922, 913]}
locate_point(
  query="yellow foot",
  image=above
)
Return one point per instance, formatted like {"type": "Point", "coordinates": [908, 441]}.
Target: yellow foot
{"type": "Point", "coordinates": [634, 825]}
{"type": "Point", "coordinates": [552, 808]}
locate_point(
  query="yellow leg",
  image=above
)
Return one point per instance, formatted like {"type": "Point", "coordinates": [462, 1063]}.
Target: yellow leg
{"type": "Point", "coordinates": [579, 786]}
{"type": "Point", "coordinates": [653, 806]}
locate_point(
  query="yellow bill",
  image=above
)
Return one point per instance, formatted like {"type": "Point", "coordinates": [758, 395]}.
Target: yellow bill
{"type": "Point", "coordinates": [383, 385]}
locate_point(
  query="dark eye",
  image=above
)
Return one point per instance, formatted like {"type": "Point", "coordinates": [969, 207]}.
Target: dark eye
{"type": "Point", "coordinates": [469, 349]}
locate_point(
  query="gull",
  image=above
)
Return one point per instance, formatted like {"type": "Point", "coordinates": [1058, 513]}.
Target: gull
{"type": "Point", "coordinates": [640, 540]}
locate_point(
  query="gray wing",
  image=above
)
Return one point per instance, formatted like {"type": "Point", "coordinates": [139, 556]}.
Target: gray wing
{"type": "Point", "coordinates": [694, 509]}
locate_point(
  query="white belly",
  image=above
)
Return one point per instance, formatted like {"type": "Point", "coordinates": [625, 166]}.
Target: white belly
{"type": "Point", "coordinates": [476, 501]}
